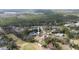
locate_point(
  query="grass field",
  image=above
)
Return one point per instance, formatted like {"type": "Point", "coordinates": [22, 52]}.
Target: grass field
{"type": "Point", "coordinates": [24, 45]}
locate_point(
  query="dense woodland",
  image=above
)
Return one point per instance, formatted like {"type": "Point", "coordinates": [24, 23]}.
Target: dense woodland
{"type": "Point", "coordinates": [47, 18]}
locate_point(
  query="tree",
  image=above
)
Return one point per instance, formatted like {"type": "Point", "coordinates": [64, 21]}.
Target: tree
{"type": "Point", "coordinates": [12, 46]}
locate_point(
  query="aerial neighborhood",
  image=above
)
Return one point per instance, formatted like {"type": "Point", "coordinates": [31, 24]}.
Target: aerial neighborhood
{"type": "Point", "coordinates": [26, 29]}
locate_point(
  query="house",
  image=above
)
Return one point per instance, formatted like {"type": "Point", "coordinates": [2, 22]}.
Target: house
{"type": "Point", "coordinates": [77, 24]}
{"type": "Point", "coordinates": [18, 29]}
{"type": "Point", "coordinates": [67, 25]}
{"type": "Point", "coordinates": [44, 36]}
{"type": "Point", "coordinates": [13, 29]}
{"type": "Point", "coordinates": [59, 34]}
{"type": "Point", "coordinates": [3, 48]}
{"type": "Point", "coordinates": [70, 25]}
{"type": "Point", "coordinates": [33, 33]}
{"type": "Point", "coordinates": [30, 35]}
{"type": "Point", "coordinates": [1, 31]}
{"type": "Point", "coordinates": [50, 46]}
{"type": "Point", "coordinates": [56, 30]}
{"type": "Point", "coordinates": [74, 31]}
{"type": "Point", "coordinates": [7, 29]}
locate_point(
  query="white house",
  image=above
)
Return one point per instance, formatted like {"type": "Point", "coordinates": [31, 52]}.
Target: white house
{"type": "Point", "coordinates": [1, 30]}
{"type": "Point", "coordinates": [3, 48]}
{"type": "Point", "coordinates": [67, 25]}
{"type": "Point", "coordinates": [70, 25]}
{"type": "Point", "coordinates": [59, 34]}
{"type": "Point", "coordinates": [18, 29]}
{"type": "Point", "coordinates": [77, 24]}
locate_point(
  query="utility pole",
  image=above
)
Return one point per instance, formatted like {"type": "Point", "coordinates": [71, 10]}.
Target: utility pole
{"type": "Point", "coordinates": [38, 30]}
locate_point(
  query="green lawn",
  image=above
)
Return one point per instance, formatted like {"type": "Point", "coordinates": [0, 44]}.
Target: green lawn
{"type": "Point", "coordinates": [22, 44]}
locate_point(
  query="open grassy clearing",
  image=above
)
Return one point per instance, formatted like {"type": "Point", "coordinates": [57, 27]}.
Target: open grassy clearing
{"type": "Point", "coordinates": [24, 45]}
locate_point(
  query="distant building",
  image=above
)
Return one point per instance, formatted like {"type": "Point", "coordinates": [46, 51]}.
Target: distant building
{"type": "Point", "coordinates": [33, 33]}
{"type": "Point", "coordinates": [3, 48]}
{"type": "Point", "coordinates": [1, 31]}
{"type": "Point", "coordinates": [70, 25]}
{"type": "Point", "coordinates": [59, 34]}
{"type": "Point", "coordinates": [67, 25]}
{"type": "Point", "coordinates": [77, 24]}
{"type": "Point", "coordinates": [9, 12]}
{"type": "Point", "coordinates": [56, 30]}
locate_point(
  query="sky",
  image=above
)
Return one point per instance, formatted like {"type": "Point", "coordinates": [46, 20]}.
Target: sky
{"type": "Point", "coordinates": [39, 4]}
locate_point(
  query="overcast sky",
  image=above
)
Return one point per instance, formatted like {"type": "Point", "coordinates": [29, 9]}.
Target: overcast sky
{"type": "Point", "coordinates": [39, 4]}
